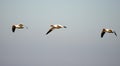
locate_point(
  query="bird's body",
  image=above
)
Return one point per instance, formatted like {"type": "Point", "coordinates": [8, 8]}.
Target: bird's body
{"type": "Point", "coordinates": [56, 26]}
{"type": "Point", "coordinates": [19, 26]}
{"type": "Point", "coordinates": [108, 31]}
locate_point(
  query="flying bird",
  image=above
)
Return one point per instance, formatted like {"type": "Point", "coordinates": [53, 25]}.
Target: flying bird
{"type": "Point", "coordinates": [18, 26]}
{"type": "Point", "coordinates": [108, 31]}
{"type": "Point", "coordinates": [56, 26]}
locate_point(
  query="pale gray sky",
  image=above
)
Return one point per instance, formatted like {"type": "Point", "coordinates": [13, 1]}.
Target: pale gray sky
{"type": "Point", "coordinates": [78, 45]}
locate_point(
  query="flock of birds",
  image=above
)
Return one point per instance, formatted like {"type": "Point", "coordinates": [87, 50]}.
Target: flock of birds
{"type": "Point", "coordinates": [58, 26]}
{"type": "Point", "coordinates": [53, 27]}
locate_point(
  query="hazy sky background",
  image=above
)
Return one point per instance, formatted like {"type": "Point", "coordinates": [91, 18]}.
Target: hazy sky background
{"type": "Point", "coordinates": [78, 45]}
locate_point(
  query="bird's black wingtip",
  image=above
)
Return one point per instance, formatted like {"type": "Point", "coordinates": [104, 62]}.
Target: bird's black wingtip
{"type": "Point", "coordinates": [64, 26]}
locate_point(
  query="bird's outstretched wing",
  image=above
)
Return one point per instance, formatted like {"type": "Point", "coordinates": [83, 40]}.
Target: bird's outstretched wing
{"type": "Point", "coordinates": [51, 29]}
{"type": "Point", "coordinates": [13, 28]}
{"type": "Point", "coordinates": [102, 33]}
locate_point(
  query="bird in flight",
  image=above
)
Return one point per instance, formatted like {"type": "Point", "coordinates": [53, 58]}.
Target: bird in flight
{"type": "Point", "coordinates": [18, 26]}
{"type": "Point", "coordinates": [108, 31]}
{"type": "Point", "coordinates": [56, 26]}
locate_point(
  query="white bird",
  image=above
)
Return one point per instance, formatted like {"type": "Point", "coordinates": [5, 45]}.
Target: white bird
{"type": "Point", "coordinates": [108, 31]}
{"type": "Point", "coordinates": [56, 26]}
{"type": "Point", "coordinates": [18, 26]}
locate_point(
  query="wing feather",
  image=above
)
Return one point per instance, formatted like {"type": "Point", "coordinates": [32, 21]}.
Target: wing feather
{"type": "Point", "coordinates": [51, 29]}
{"type": "Point", "coordinates": [115, 33]}
{"type": "Point", "coordinates": [13, 28]}
{"type": "Point", "coordinates": [102, 33]}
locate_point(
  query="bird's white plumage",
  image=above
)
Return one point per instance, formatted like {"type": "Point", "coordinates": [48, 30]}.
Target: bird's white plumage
{"type": "Point", "coordinates": [18, 26]}
{"type": "Point", "coordinates": [108, 31]}
{"type": "Point", "coordinates": [56, 26]}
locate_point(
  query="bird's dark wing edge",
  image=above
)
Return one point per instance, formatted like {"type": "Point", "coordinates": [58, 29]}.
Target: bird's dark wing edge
{"type": "Point", "coordinates": [102, 34]}
{"type": "Point", "coordinates": [49, 31]}
{"type": "Point", "coordinates": [115, 33]}
{"type": "Point", "coordinates": [13, 28]}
